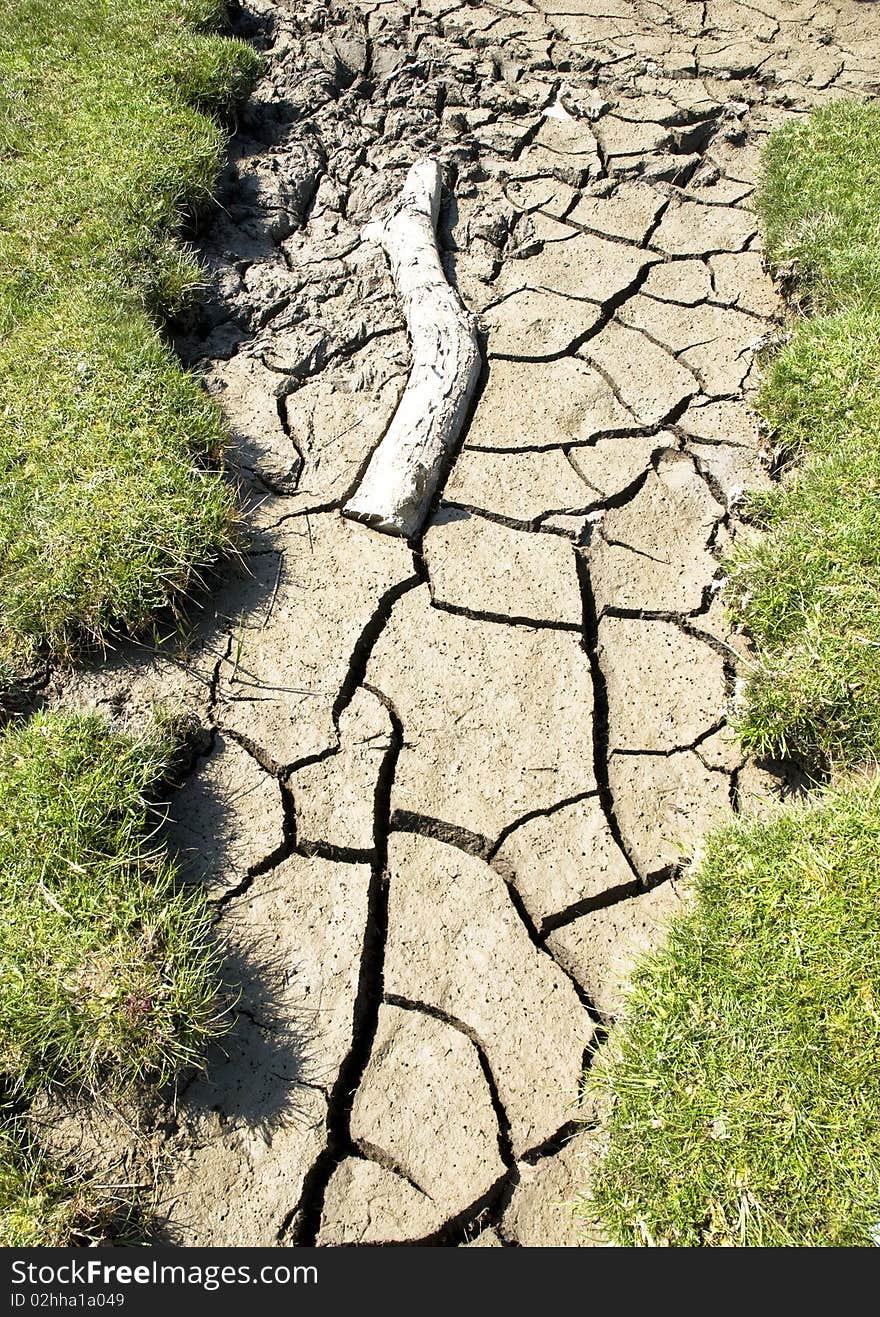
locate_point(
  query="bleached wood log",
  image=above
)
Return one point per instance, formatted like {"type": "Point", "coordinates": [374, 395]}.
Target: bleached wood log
{"type": "Point", "coordinates": [402, 476]}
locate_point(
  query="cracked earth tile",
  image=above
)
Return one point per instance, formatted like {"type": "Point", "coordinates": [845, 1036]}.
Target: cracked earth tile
{"type": "Point", "coordinates": [685, 282]}
{"type": "Point", "coordinates": [741, 280]}
{"type": "Point", "coordinates": [739, 163]}
{"type": "Point", "coordinates": [588, 8]}
{"type": "Point", "coordinates": [571, 524]}
{"type": "Point", "coordinates": [569, 136]}
{"type": "Point", "coordinates": [471, 273]}
{"type": "Point", "coordinates": [665, 688]}
{"type": "Point", "coordinates": [334, 798]}
{"type": "Point", "coordinates": [557, 860]}
{"type": "Point", "coordinates": [715, 190]}
{"type": "Point", "coordinates": [523, 486]}
{"type": "Point", "coordinates": [600, 948]}
{"type": "Point", "coordinates": [817, 68]}
{"type": "Point", "coordinates": [715, 625]}
{"type": "Point", "coordinates": [642, 106]}
{"type": "Point", "coordinates": [295, 939]}
{"type": "Point", "coordinates": [628, 213]}
{"type": "Point", "coordinates": [542, 403]}
{"type": "Point", "coordinates": [608, 467]}
{"type": "Point", "coordinates": [296, 351]}
{"type": "Point", "coordinates": [608, 34]}
{"type": "Point", "coordinates": [758, 792]}
{"type": "Point", "coordinates": [689, 229]}
{"type": "Point", "coordinates": [734, 59]}
{"type": "Point", "coordinates": [424, 1103]}
{"type": "Point", "coordinates": [505, 136]}
{"type": "Point", "coordinates": [365, 1204]}
{"type": "Point", "coordinates": [292, 645]}
{"type": "Point", "coordinates": [540, 228]}
{"type": "Point", "coordinates": [478, 565]}
{"type": "Point", "coordinates": [248, 1133]}
{"type": "Point", "coordinates": [652, 552]}
{"type": "Point", "coordinates": [622, 137]}
{"type": "Point", "coordinates": [539, 162]}
{"type": "Point", "coordinates": [496, 718]}
{"type": "Point", "coordinates": [337, 419]}
{"type": "Point", "coordinates": [717, 343]}
{"type": "Point", "coordinates": [724, 422]}
{"type": "Point", "coordinates": [585, 266]}
{"type": "Point", "coordinates": [665, 805]}
{"type": "Point", "coordinates": [487, 217]}
{"type": "Point", "coordinates": [226, 818]}
{"type": "Point", "coordinates": [689, 95]}
{"type": "Point", "coordinates": [532, 324]}
{"type": "Point", "coordinates": [548, 194]}
{"type": "Point", "coordinates": [735, 469]}
{"type": "Point", "coordinates": [248, 395]}
{"type": "Point", "coordinates": [456, 943]}
{"type": "Point", "coordinates": [728, 16]}
{"type": "Point", "coordinates": [540, 1214]}
{"type": "Point", "coordinates": [721, 751]}
{"type": "Point", "coordinates": [649, 381]}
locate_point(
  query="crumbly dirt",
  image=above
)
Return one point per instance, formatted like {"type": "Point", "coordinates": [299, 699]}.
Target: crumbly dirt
{"type": "Point", "coordinates": [446, 788]}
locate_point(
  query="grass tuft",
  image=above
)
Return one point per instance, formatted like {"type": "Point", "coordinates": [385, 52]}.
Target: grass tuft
{"type": "Point", "coordinates": [745, 1075]}
{"type": "Point", "coordinates": [110, 496]}
{"type": "Point", "coordinates": [819, 201]}
{"type": "Point", "coordinates": [38, 1208]}
{"type": "Point", "coordinates": [43, 1207]}
{"type": "Point", "coordinates": [108, 975]}
{"type": "Point", "coordinates": [805, 585]}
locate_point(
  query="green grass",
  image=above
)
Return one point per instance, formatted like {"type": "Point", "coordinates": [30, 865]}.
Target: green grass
{"type": "Point", "coordinates": [746, 1072]}
{"type": "Point", "coordinates": [42, 1208]}
{"type": "Point", "coordinates": [108, 975]}
{"type": "Point", "coordinates": [110, 496]}
{"type": "Point", "coordinates": [820, 201]}
{"type": "Point", "coordinates": [806, 585]}
{"type": "Point", "coordinates": [37, 1207]}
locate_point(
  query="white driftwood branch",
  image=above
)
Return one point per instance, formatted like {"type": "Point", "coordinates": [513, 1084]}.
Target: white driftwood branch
{"type": "Point", "coordinates": [404, 471]}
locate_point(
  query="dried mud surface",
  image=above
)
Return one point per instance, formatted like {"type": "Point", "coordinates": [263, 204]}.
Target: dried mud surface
{"type": "Point", "coordinates": [445, 788]}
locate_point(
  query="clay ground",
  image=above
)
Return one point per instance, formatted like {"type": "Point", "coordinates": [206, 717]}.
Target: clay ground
{"type": "Point", "coordinates": [446, 788]}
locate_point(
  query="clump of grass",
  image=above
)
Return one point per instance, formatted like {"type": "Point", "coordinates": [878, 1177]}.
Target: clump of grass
{"type": "Point", "coordinates": [39, 1208]}
{"type": "Point", "coordinates": [745, 1075]}
{"type": "Point", "coordinates": [44, 1207]}
{"type": "Point", "coordinates": [805, 585]}
{"type": "Point", "coordinates": [819, 201]}
{"type": "Point", "coordinates": [101, 518]}
{"type": "Point", "coordinates": [110, 497]}
{"type": "Point", "coordinates": [108, 975]}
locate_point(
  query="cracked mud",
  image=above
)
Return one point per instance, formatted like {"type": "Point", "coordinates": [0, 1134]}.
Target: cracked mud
{"type": "Point", "coordinates": [447, 786]}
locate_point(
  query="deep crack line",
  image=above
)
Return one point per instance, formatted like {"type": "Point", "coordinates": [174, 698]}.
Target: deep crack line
{"type": "Point", "coordinates": [590, 642]}
{"type": "Point", "coordinates": [305, 1219]}
{"type": "Point", "coordinates": [360, 656]}
{"type": "Point", "coordinates": [451, 834]}
{"type": "Point", "coordinates": [602, 901]}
